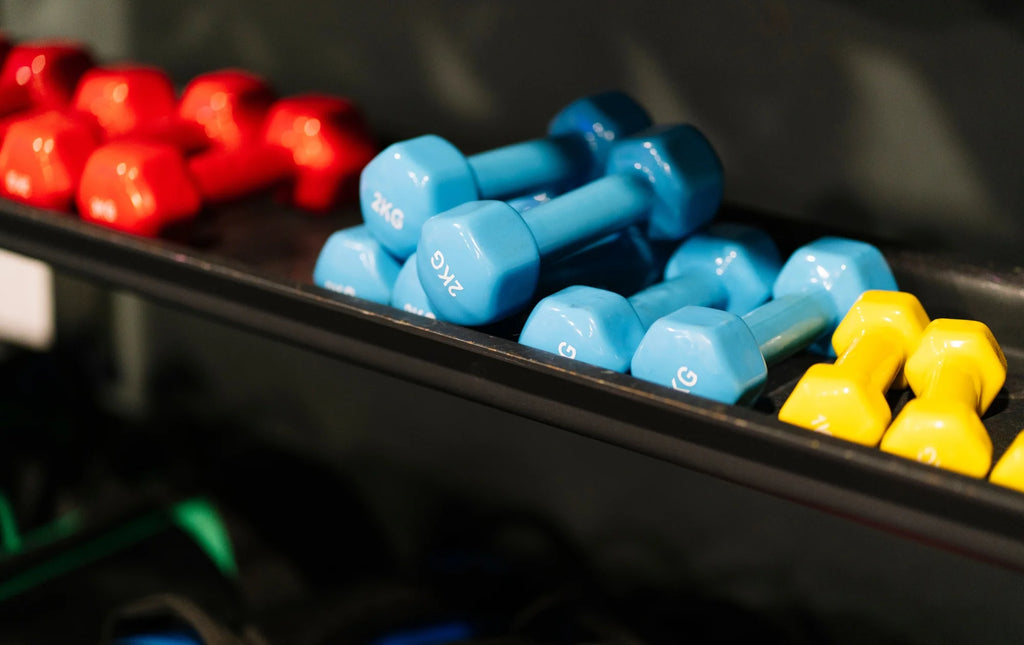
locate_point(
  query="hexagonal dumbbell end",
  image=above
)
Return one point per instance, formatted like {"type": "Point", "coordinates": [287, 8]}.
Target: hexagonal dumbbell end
{"type": "Point", "coordinates": [42, 75]}
{"type": "Point", "coordinates": [1009, 470]}
{"type": "Point", "coordinates": [729, 266]}
{"type": "Point", "coordinates": [956, 372]}
{"type": "Point", "coordinates": [329, 144]}
{"type": "Point", "coordinates": [354, 263]}
{"type": "Point", "coordinates": [136, 187]}
{"type": "Point", "coordinates": [229, 106]}
{"type": "Point", "coordinates": [702, 351]}
{"type": "Point", "coordinates": [413, 180]}
{"type": "Point", "coordinates": [684, 172]}
{"type": "Point", "coordinates": [42, 159]}
{"type": "Point", "coordinates": [847, 398]}
{"type": "Point", "coordinates": [126, 98]}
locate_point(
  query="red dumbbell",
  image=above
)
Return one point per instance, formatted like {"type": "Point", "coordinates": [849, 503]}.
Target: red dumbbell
{"type": "Point", "coordinates": [217, 110]}
{"type": "Point", "coordinates": [41, 75]}
{"type": "Point", "coordinates": [317, 144]}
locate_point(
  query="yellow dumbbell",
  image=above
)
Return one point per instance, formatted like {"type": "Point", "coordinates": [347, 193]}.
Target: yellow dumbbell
{"type": "Point", "coordinates": [847, 398]}
{"type": "Point", "coordinates": [1009, 470]}
{"type": "Point", "coordinates": [956, 372]}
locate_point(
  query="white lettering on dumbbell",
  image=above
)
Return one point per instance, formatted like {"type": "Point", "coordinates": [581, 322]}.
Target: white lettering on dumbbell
{"type": "Point", "coordinates": [393, 216]}
{"type": "Point", "coordinates": [929, 455]}
{"type": "Point", "coordinates": [687, 378]}
{"type": "Point", "coordinates": [821, 424]}
{"type": "Point", "coordinates": [340, 288]}
{"type": "Point", "coordinates": [446, 276]}
{"type": "Point", "coordinates": [567, 350]}
{"type": "Point", "coordinates": [18, 184]}
{"type": "Point", "coordinates": [419, 312]}
{"type": "Point", "coordinates": [104, 209]}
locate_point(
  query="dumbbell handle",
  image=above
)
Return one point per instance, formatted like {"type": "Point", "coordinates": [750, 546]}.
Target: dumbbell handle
{"type": "Point", "coordinates": [693, 287]}
{"type": "Point", "coordinates": [221, 176]}
{"type": "Point", "coordinates": [954, 379]}
{"type": "Point", "coordinates": [784, 326]}
{"type": "Point", "coordinates": [877, 355]}
{"type": "Point", "coordinates": [515, 169]}
{"type": "Point", "coordinates": [581, 216]}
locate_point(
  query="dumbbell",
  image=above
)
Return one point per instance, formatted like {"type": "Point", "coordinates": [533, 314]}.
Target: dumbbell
{"type": "Point", "coordinates": [41, 75]}
{"type": "Point", "coordinates": [413, 180]}
{"type": "Point", "coordinates": [846, 399]}
{"type": "Point", "coordinates": [42, 157]}
{"type": "Point", "coordinates": [729, 266]}
{"type": "Point", "coordinates": [621, 262]}
{"type": "Point", "coordinates": [721, 356]}
{"type": "Point", "coordinates": [354, 263]}
{"type": "Point", "coordinates": [1009, 470]}
{"type": "Point", "coordinates": [317, 143]}
{"type": "Point", "coordinates": [955, 373]}
{"type": "Point", "coordinates": [479, 262]}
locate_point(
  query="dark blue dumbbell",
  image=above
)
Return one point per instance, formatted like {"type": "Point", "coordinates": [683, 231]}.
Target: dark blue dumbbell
{"type": "Point", "coordinates": [729, 266]}
{"type": "Point", "coordinates": [413, 180]}
{"type": "Point", "coordinates": [480, 262]}
{"type": "Point", "coordinates": [721, 356]}
{"type": "Point", "coordinates": [635, 266]}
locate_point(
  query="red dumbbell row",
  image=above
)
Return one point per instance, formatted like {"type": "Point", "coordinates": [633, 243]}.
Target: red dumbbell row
{"type": "Point", "coordinates": [117, 143]}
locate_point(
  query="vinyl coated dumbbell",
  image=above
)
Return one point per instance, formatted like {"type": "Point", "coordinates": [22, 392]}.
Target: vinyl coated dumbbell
{"type": "Point", "coordinates": [480, 262]}
{"type": "Point", "coordinates": [955, 373]}
{"type": "Point", "coordinates": [42, 157]}
{"type": "Point", "coordinates": [721, 356]}
{"type": "Point", "coordinates": [354, 263]}
{"type": "Point", "coordinates": [414, 180]}
{"type": "Point", "coordinates": [729, 266]}
{"type": "Point", "coordinates": [622, 262]}
{"type": "Point", "coordinates": [1009, 470]}
{"type": "Point", "coordinates": [315, 143]}
{"type": "Point", "coordinates": [846, 399]}
{"type": "Point", "coordinates": [41, 75]}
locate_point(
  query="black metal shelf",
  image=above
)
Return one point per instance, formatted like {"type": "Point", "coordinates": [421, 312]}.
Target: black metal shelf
{"type": "Point", "coordinates": [250, 266]}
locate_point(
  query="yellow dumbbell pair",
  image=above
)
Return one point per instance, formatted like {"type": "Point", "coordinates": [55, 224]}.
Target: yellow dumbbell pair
{"type": "Point", "coordinates": [954, 367]}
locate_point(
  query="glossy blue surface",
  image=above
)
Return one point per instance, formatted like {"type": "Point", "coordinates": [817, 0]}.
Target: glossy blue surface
{"type": "Point", "coordinates": [354, 263]}
{"type": "Point", "coordinates": [707, 352]}
{"type": "Point", "coordinates": [451, 632]}
{"type": "Point", "coordinates": [408, 294]}
{"type": "Point", "coordinates": [413, 180]}
{"type": "Point", "coordinates": [684, 172]}
{"type": "Point", "coordinates": [814, 290]}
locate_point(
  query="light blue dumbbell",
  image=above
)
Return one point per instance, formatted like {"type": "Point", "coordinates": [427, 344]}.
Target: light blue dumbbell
{"type": "Point", "coordinates": [721, 356]}
{"type": "Point", "coordinates": [480, 262]}
{"type": "Point", "coordinates": [621, 262]}
{"type": "Point", "coordinates": [354, 263]}
{"type": "Point", "coordinates": [729, 267]}
{"type": "Point", "coordinates": [413, 180]}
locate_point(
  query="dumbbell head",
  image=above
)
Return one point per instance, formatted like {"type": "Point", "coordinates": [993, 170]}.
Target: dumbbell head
{"type": "Point", "coordinates": [136, 187]}
{"type": "Point", "coordinates": [833, 398]}
{"type": "Point", "coordinates": [718, 352]}
{"type": "Point", "coordinates": [684, 171]}
{"type": "Point", "coordinates": [126, 98]}
{"type": "Point", "coordinates": [968, 343]}
{"type": "Point", "coordinates": [602, 328]}
{"type": "Point", "coordinates": [229, 105]}
{"type": "Point", "coordinates": [42, 158]}
{"type": "Point", "coordinates": [413, 180]}
{"type": "Point", "coordinates": [44, 73]}
{"type": "Point", "coordinates": [329, 144]}
{"type": "Point", "coordinates": [354, 263]}
{"type": "Point", "coordinates": [602, 120]}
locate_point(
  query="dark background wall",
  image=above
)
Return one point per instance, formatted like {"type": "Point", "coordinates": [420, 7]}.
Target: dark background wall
{"type": "Point", "coordinates": [898, 118]}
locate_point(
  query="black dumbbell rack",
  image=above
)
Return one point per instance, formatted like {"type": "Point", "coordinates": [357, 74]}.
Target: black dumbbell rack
{"type": "Point", "coordinates": [250, 266]}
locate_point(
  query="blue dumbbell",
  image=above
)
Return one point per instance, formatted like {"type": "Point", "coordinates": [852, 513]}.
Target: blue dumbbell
{"type": "Point", "coordinates": [729, 267]}
{"type": "Point", "coordinates": [177, 637]}
{"type": "Point", "coordinates": [479, 262]}
{"type": "Point", "coordinates": [414, 180]}
{"type": "Point", "coordinates": [721, 356]}
{"type": "Point", "coordinates": [354, 263]}
{"type": "Point", "coordinates": [623, 262]}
